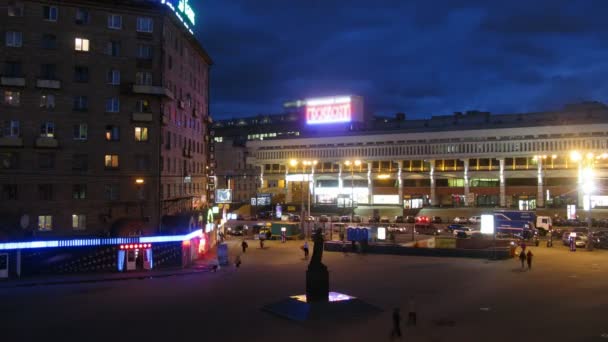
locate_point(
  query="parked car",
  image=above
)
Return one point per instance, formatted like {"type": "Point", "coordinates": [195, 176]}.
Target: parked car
{"type": "Point", "coordinates": [310, 219]}
{"type": "Point", "coordinates": [475, 219]}
{"type": "Point", "coordinates": [236, 231]}
{"type": "Point", "coordinates": [374, 219]}
{"type": "Point", "coordinates": [335, 219]}
{"type": "Point", "coordinates": [410, 219]}
{"type": "Point", "coordinates": [323, 218]}
{"type": "Point", "coordinates": [294, 218]}
{"type": "Point", "coordinates": [399, 219]}
{"type": "Point", "coordinates": [459, 219]}
{"type": "Point", "coordinates": [344, 218]}
{"type": "Point", "coordinates": [580, 239]}
{"type": "Point", "coordinates": [357, 219]}
{"type": "Point", "coordinates": [384, 219]}
{"type": "Point", "coordinates": [436, 219]}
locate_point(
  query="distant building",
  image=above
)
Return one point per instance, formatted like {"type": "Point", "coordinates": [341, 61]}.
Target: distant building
{"type": "Point", "coordinates": [523, 160]}
{"type": "Point", "coordinates": [103, 114]}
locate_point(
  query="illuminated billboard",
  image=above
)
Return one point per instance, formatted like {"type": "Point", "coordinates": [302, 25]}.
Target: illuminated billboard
{"type": "Point", "coordinates": [184, 12]}
{"type": "Point", "coordinates": [223, 195]}
{"type": "Point", "coordinates": [338, 109]}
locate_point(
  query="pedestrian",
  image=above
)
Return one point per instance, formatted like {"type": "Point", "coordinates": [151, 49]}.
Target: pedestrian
{"type": "Point", "coordinates": [244, 245]}
{"type": "Point", "coordinates": [522, 258]}
{"type": "Point", "coordinates": [529, 258]}
{"type": "Point", "coordinates": [396, 332]}
{"type": "Point", "coordinates": [523, 246]}
{"type": "Point", "coordinates": [305, 248]}
{"type": "Point", "coordinates": [411, 316]}
{"type": "Point", "coordinates": [261, 243]}
{"type": "Point", "coordinates": [572, 244]}
{"type": "Point", "coordinates": [237, 261]}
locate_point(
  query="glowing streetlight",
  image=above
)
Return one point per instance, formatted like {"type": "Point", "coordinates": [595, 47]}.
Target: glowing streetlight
{"type": "Point", "coordinates": [575, 156]}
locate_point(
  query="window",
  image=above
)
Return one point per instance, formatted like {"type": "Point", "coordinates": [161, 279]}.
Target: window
{"type": "Point", "coordinates": [113, 77]}
{"type": "Point", "coordinates": [10, 128]}
{"type": "Point", "coordinates": [79, 191]}
{"type": "Point", "coordinates": [81, 74]}
{"type": "Point", "coordinates": [13, 69]}
{"type": "Point", "coordinates": [47, 129]}
{"type": "Point", "coordinates": [82, 16]}
{"type": "Point", "coordinates": [111, 161]}
{"type": "Point", "coordinates": [143, 78]}
{"type": "Point", "coordinates": [79, 222]}
{"type": "Point", "coordinates": [81, 44]}
{"type": "Point", "coordinates": [48, 71]}
{"type": "Point", "coordinates": [142, 163]}
{"type": "Point", "coordinates": [113, 105]}
{"type": "Point", "coordinates": [9, 192]}
{"type": "Point", "coordinates": [45, 192]}
{"type": "Point", "coordinates": [112, 192]}
{"type": "Point", "coordinates": [114, 21]}
{"type": "Point", "coordinates": [112, 133]}
{"type": "Point", "coordinates": [9, 160]}
{"type": "Point", "coordinates": [49, 41]}
{"type": "Point", "coordinates": [144, 51]}
{"type": "Point", "coordinates": [80, 162]}
{"type": "Point", "coordinates": [113, 48]}
{"type": "Point", "coordinates": [45, 222]}
{"type": "Point", "coordinates": [81, 103]}
{"type": "Point", "coordinates": [144, 24]}
{"type": "Point", "coordinates": [15, 9]}
{"type": "Point", "coordinates": [50, 13]}
{"type": "Point", "coordinates": [12, 98]}
{"type": "Point", "coordinates": [80, 131]}
{"type": "Point", "coordinates": [143, 106]}
{"type": "Point", "coordinates": [47, 101]}
{"type": "Point", "coordinates": [14, 39]}
{"type": "Point", "coordinates": [141, 133]}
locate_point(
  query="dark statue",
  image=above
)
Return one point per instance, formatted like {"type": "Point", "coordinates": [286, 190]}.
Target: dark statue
{"type": "Point", "coordinates": [317, 276]}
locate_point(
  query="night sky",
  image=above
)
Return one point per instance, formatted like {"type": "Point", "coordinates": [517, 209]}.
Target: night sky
{"type": "Point", "coordinates": [418, 57]}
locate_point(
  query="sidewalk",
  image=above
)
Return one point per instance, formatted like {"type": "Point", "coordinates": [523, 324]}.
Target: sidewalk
{"type": "Point", "coordinates": [202, 265]}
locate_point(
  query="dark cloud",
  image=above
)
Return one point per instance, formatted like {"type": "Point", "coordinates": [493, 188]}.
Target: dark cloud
{"type": "Point", "coordinates": [418, 57]}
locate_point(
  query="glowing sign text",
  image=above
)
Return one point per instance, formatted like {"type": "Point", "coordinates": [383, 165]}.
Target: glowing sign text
{"type": "Point", "coordinates": [182, 8]}
{"type": "Point", "coordinates": [328, 110]}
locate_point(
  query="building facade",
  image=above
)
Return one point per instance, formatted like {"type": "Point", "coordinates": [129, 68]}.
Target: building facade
{"type": "Point", "coordinates": [519, 161]}
{"type": "Point", "coordinates": [104, 117]}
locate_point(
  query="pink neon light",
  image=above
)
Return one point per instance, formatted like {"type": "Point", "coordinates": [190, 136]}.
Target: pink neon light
{"type": "Point", "coordinates": [328, 113]}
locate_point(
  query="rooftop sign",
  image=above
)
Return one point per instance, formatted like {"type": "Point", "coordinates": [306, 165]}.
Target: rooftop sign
{"type": "Point", "coordinates": [183, 11]}
{"type": "Point", "coordinates": [336, 109]}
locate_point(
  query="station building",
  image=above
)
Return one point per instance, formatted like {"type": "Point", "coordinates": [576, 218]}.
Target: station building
{"type": "Point", "coordinates": [343, 157]}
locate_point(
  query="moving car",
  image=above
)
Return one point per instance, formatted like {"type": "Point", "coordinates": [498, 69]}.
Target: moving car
{"type": "Point", "coordinates": [463, 232]}
{"type": "Point", "coordinates": [454, 226]}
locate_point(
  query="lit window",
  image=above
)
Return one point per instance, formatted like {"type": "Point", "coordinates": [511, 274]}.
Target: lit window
{"type": "Point", "coordinates": [81, 131]}
{"type": "Point", "coordinates": [114, 21]}
{"type": "Point", "coordinates": [79, 221]}
{"type": "Point", "coordinates": [111, 161]}
{"type": "Point", "coordinates": [141, 133]}
{"type": "Point", "coordinates": [14, 39]}
{"type": "Point", "coordinates": [112, 133]}
{"type": "Point", "coordinates": [144, 24]}
{"type": "Point", "coordinates": [10, 128]}
{"type": "Point", "coordinates": [47, 130]}
{"type": "Point", "coordinates": [12, 98]}
{"type": "Point", "coordinates": [47, 101]}
{"type": "Point", "coordinates": [114, 77]}
{"type": "Point", "coordinates": [81, 44]}
{"type": "Point", "coordinates": [45, 222]}
{"type": "Point", "coordinates": [50, 13]}
{"type": "Point", "coordinates": [113, 105]}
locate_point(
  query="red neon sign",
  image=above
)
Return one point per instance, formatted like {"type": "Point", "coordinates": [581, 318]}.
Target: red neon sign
{"type": "Point", "coordinates": [328, 110]}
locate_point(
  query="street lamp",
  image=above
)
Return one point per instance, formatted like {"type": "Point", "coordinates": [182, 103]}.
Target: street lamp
{"type": "Point", "coordinates": [352, 164]}
{"type": "Point", "coordinates": [587, 186]}
{"type": "Point", "coordinates": [305, 178]}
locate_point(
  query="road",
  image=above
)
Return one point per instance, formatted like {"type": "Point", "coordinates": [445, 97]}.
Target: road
{"type": "Point", "coordinates": [563, 298]}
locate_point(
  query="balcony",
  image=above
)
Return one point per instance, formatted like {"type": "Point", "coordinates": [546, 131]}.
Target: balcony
{"type": "Point", "coordinates": [12, 81]}
{"type": "Point", "coordinates": [152, 90]}
{"type": "Point", "coordinates": [11, 141]}
{"type": "Point", "coordinates": [141, 117]}
{"type": "Point", "coordinates": [49, 84]}
{"type": "Point", "coordinates": [46, 142]}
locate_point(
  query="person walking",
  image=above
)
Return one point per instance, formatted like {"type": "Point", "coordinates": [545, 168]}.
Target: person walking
{"type": "Point", "coordinates": [529, 256]}
{"type": "Point", "coordinates": [305, 249]}
{"type": "Point", "coordinates": [522, 258]}
{"type": "Point", "coordinates": [396, 332]}
{"type": "Point", "coordinates": [261, 243]}
{"type": "Point", "coordinates": [244, 245]}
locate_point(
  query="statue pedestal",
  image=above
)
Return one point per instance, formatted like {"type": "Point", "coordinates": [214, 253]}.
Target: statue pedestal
{"type": "Point", "coordinates": [317, 283]}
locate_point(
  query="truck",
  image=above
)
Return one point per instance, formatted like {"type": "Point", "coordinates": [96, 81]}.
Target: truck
{"type": "Point", "coordinates": [521, 222]}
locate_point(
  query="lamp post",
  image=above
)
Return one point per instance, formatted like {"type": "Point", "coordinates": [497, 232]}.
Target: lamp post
{"type": "Point", "coordinates": [352, 164]}
{"type": "Point", "coordinates": [587, 184]}
{"type": "Point", "coordinates": [305, 178]}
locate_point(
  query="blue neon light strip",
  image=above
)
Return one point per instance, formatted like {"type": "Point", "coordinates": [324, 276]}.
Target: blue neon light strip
{"type": "Point", "coordinates": [98, 241]}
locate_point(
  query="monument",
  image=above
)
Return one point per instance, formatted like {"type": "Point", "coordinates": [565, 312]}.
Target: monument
{"type": "Point", "coordinates": [317, 276]}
